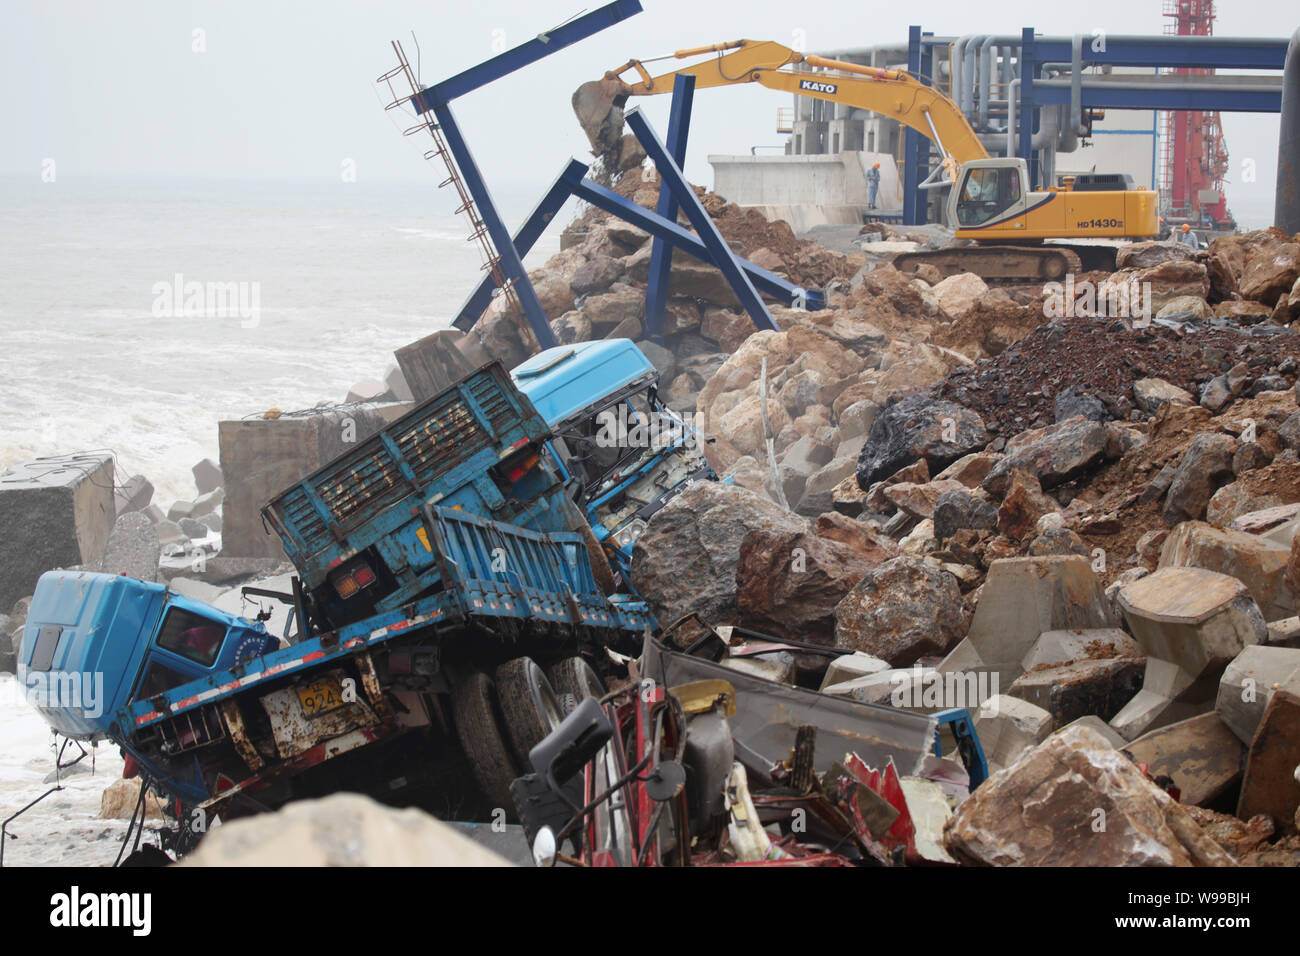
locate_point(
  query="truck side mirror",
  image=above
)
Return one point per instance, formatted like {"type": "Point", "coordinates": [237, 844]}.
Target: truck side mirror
{"type": "Point", "coordinates": [574, 743]}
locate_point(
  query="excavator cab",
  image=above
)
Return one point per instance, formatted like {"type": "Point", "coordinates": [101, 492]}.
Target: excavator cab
{"type": "Point", "coordinates": [989, 192]}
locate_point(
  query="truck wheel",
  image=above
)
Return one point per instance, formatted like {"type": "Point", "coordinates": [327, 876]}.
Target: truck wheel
{"type": "Point", "coordinates": [529, 704]}
{"type": "Point", "coordinates": [481, 739]}
{"type": "Point", "coordinates": [574, 680]}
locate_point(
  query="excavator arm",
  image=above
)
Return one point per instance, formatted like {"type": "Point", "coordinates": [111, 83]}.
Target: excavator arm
{"type": "Point", "coordinates": [892, 93]}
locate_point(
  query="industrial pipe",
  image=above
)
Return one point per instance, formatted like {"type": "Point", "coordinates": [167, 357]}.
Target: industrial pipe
{"type": "Point", "coordinates": [1286, 209]}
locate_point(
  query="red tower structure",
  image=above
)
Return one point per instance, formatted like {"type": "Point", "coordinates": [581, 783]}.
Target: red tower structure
{"type": "Point", "coordinates": [1194, 157]}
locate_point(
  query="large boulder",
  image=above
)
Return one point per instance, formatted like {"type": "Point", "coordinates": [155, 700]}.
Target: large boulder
{"type": "Point", "coordinates": [1257, 563]}
{"type": "Point", "coordinates": [901, 610]}
{"type": "Point", "coordinates": [686, 558]}
{"type": "Point", "coordinates": [1053, 454]}
{"type": "Point", "coordinates": [915, 427]}
{"type": "Point", "coordinates": [1265, 261]}
{"type": "Point", "coordinates": [789, 583]}
{"type": "Point", "coordinates": [1145, 255]}
{"type": "Point", "coordinates": [1205, 466]}
{"type": "Point", "coordinates": [1074, 800]}
{"type": "Point", "coordinates": [344, 829]}
{"type": "Point", "coordinates": [958, 294]}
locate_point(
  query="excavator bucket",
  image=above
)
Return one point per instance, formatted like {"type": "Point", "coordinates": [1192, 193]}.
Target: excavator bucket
{"type": "Point", "coordinates": [598, 105]}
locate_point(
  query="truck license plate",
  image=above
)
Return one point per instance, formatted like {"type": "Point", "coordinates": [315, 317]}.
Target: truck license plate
{"type": "Point", "coordinates": [320, 697]}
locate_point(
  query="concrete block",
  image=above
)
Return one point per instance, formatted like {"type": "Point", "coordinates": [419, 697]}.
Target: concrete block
{"type": "Point", "coordinates": [1248, 683]}
{"type": "Point", "coordinates": [1022, 598]}
{"type": "Point", "coordinates": [262, 457]}
{"type": "Point", "coordinates": [207, 476]}
{"type": "Point", "coordinates": [1079, 688]}
{"type": "Point", "coordinates": [133, 548]}
{"type": "Point", "coordinates": [1201, 755]}
{"type": "Point", "coordinates": [1270, 784]}
{"type": "Point", "coordinates": [134, 494]}
{"type": "Point", "coordinates": [179, 510]}
{"type": "Point", "coordinates": [1097, 725]}
{"type": "Point", "coordinates": [396, 383]}
{"type": "Point", "coordinates": [1168, 694]}
{"type": "Point", "coordinates": [1008, 726]}
{"type": "Point", "coordinates": [1059, 647]}
{"type": "Point", "coordinates": [54, 513]}
{"type": "Point", "coordinates": [1284, 633]}
{"type": "Point", "coordinates": [206, 504]}
{"type": "Point", "coordinates": [1197, 619]}
{"type": "Point", "coordinates": [850, 666]}
{"type": "Point", "coordinates": [438, 361]}
{"type": "Point", "coordinates": [370, 390]}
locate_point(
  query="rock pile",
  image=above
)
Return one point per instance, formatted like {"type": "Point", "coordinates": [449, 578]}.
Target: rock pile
{"type": "Point", "coordinates": [1089, 521]}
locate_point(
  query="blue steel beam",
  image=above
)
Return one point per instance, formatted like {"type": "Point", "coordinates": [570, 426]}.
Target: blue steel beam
{"type": "Point", "coordinates": [915, 146]}
{"type": "Point", "coordinates": [511, 261]}
{"type": "Point", "coordinates": [521, 56]}
{"type": "Point", "coordinates": [769, 283]}
{"type": "Point", "coordinates": [1117, 96]}
{"type": "Point", "coordinates": [720, 253]}
{"type": "Point", "coordinates": [1029, 61]}
{"type": "Point", "coordinates": [524, 240]}
{"type": "Point", "coordinates": [661, 252]}
{"type": "Point", "coordinates": [1223, 53]}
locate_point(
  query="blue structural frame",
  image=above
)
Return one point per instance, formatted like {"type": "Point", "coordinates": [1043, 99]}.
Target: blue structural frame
{"type": "Point", "coordinates": [1124, 51]}
{"type": "Point", "coordinates": [720, 254]}
{"type": "Point", "coordinates": [661, 252]}
{"type": "Point", "coordinates": [707, 243]}
{"type": "Point", "coordinates": [916, 148]}
{"type": "Point", "coordinates": [437, 98]}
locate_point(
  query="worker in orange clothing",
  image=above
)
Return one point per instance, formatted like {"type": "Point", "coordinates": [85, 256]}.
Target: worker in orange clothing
{"type": "Point", "coordinates": [873, 185]}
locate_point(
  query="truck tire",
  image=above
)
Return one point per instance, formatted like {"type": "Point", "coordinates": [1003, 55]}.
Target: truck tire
{"type": "Point", "coordinates": [574, 680]}
{"type": "Point", "coordinates": [479, 733]}
{"type": "Point", "coordinates": [529, 705]}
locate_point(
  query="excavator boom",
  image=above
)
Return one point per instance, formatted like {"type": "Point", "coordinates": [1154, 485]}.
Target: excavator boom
{"type": "Point", "coordinates": [892, 93]}
{"type": "Point", "coordinates": [991, 201]}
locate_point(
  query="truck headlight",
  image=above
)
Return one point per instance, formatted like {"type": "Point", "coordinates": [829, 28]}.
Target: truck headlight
{"type": "Point", "coordinates": [625, 535]}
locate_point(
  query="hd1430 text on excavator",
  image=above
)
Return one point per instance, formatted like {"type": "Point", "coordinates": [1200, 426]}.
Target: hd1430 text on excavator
{"type": "Point", "coordinates": [1018, 234]}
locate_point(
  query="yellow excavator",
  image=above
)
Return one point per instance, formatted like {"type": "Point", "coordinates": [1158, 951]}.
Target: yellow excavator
{"type": "Point", "coordinates": [990, 201]}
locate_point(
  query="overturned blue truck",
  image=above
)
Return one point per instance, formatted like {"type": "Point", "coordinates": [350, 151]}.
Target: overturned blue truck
{"type": "Point", "coordinates": [458, 574]}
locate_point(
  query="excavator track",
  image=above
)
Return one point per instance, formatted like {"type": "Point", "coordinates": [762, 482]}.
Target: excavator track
{"type": "Point", "coordinates": [998, 264]}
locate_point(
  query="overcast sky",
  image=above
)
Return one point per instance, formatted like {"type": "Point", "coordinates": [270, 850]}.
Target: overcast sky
{"type": "Point", "coordinates": [286, 89]}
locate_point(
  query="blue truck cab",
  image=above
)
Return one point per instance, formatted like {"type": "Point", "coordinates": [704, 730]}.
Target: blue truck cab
{"type": "Point", "coordinates": [628, 452]}
{"type": "Point", "coordinates": [95, 642]}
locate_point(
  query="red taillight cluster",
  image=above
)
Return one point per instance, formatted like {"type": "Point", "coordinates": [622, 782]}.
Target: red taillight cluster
{"type": "Point", "coordinates": [521, 469]}
{"type": "Point", "coordinates": [354, 579]}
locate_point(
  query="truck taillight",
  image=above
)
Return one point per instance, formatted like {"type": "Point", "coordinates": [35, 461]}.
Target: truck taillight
{"type": "Point", "coordinates": [521, 469]}
{"type": "Point", "coordinates": [350, 580]}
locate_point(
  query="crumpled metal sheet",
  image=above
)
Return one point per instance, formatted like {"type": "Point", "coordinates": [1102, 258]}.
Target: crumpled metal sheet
{"type": "Point", "coordinates": [768, 715]}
